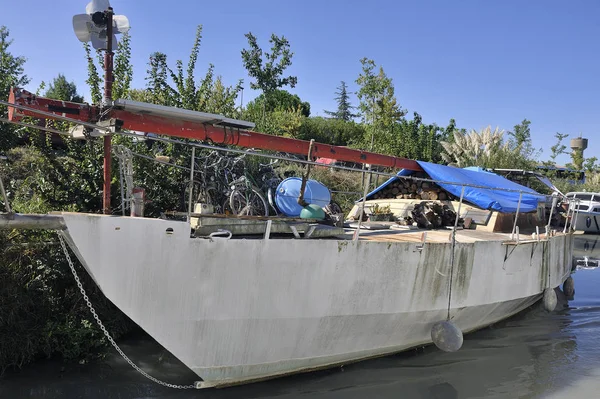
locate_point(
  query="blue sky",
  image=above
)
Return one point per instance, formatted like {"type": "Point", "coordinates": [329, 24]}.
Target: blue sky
{"type": "Point", "coordinates": [479, 62]}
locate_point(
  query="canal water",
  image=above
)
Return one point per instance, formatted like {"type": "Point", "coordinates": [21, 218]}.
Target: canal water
{"type": "Point", "coordinates": [535, 354]}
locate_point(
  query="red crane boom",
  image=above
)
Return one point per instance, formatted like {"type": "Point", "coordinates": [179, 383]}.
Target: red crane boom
{"type": "Point", "coordinates": [171, 121]}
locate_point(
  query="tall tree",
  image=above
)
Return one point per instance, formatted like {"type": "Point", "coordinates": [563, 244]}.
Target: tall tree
{"type": "Point", "coordinates": [268, 73]}
{"type": "Point", "coordinates": [521, 133]}
{"type": "Point", "coordinates": [378, 102]}
{"type": "Point", "coordinates": [12, 73]}
{"type": "Point", "coordinates": [61, 89]}
{"type": "Point", "coordinates": [378, 106]}
{"type": "Point", "coordinates": [178, 88]}
{"type": "Point", "coordinates": [344, 109]}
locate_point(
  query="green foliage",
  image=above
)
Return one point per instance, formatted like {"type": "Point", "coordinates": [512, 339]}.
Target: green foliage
{"type": "Point", "coordinates": [486, 149]}
{"type": "Point", "coordinates": [379, 108]}
{"type": "Point", "coordinates": [279, 122]}
{"type": "Point", "coordinates": [331, 131]}
{"type": "Point", "coordinates": [268, 73]}
{"type": "Point", "coordinates": [94, 80]}
{"type": "Point", "coordinates": [378, 103]}
{"type": "Point", "coordinates": [208, 95]}
{"type": "Point", "coordinates": [60, 89]}
{"type": "Point", "coordinates": [122, 68]}
{"type": "Point", "coordinates": [344, 109]}
{"type": "Point", "coordinates": [12, 74]}
{"type": "Point", "coordinates": [278, 99]}
{"type": "Point", "coordinates": [521, 133]}
{"type": "Point", "coordinates": [558, 148]}
{"type": "Point", "coordinates": [591, 164]}
{"type": "Point", "coordinates": [41, 311]}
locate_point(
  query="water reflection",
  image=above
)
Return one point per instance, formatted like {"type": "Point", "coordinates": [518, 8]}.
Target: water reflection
{"type": "Point", "coordinates": [586, 251]}
{"type": "Point", "coordinates": [528, 356]}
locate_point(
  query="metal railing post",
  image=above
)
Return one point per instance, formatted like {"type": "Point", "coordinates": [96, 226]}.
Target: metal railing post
{"type": "Point", "coordinates": [577, 201]}
{"type": "Point", "coordinates": [4, 196]}
{"type": "Point", "coordinates": [189, 216]}
{"type": "Point", "coordinates": [567, 216]}
{"type": "Point", "coordinates": [362, 206]}
{"type": "Point", "coordinates": [554, 202]}
{"type": "Point", "coordinates": [512, 236]}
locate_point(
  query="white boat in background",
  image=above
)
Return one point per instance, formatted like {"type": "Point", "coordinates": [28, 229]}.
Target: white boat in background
{"type": "Point", "coordinates": [243, 305]}
{"type": "Point", "coordinates": [588, 211]}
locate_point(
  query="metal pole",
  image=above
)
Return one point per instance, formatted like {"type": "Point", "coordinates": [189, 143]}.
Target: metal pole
{"type": "Point", "coordinates": [5, 197]}
{"type": "Point", "coordinates": [191, 183]}
{"type": "Point", "coordinates": [108, 81]}
{"type": "Point", "coordinates": [576, 214]}
{"type": "Point", "coordinates": [567, 216]}
{"type": "Point", "coordinates": [554, 202]}
{"type": "Point", "coordinates": [301, 201]}
{"type": "Point", "coordinates": [512, 236]}
{"type": "Point", "coordinates": [462, 194]}
{"type": "Point", "coordinates": [362, 206]}
{"type": "Point", "coordinates": [121, 182]}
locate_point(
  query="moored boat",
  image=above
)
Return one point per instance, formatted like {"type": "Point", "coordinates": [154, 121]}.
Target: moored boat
{"type": "Point", "coordinates": [588, 209]}
{"type": "Point", "coordinates": [237, 304]}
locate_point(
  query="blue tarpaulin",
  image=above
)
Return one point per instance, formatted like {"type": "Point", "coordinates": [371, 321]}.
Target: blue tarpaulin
{"type": "Point", "coordinates": [497, 200]}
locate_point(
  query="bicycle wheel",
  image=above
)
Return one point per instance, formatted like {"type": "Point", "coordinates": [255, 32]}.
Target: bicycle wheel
{"type": "Point", "coordinates": [248, 202]}
{"type": "Point", "coordinates": [333, 208]}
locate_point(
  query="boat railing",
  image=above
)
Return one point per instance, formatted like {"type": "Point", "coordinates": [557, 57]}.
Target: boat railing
{"type": "Point", "coordinates": [571, 217]}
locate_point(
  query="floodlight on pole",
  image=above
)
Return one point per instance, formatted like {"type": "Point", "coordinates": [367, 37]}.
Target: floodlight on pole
{"type": "Point", "coordinates": [93, 25]}
{"type": "Point", "coordinates": [100, 26]}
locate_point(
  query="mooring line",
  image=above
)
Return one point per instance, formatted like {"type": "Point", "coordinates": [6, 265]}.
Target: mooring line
{"type": "Point", "coordinates": [197, 384]}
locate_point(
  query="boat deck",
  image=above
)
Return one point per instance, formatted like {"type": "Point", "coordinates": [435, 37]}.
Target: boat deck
{"type": "Point", "coordinates": [288, 228]}
{"type": "Point", "coordinates": [439, 236]}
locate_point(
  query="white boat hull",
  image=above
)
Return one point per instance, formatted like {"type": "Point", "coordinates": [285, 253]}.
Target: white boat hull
{"type": "Point", "coordinates": [588, 222]}
{"type": "Point", "coordinates": [245, 309]}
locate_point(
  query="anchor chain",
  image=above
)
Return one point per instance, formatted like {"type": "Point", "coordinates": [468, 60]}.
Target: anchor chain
{"type": "Point", "coordinates": [197, 385]}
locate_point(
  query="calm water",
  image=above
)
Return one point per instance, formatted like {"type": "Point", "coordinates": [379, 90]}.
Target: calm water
{"type": "Point", "coordinates": [532, 355]}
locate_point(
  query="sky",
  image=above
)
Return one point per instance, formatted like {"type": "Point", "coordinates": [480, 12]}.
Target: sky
{"type": "Point", "coordinates": [480, 62]}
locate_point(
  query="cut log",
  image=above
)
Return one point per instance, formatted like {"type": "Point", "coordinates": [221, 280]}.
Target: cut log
{"type": "Point", "coordinates": [432, 195]}
{"type": "Point", "coordinates": [442, 196]}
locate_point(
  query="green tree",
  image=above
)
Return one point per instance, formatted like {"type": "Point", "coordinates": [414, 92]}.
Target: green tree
{"type": "Point", "coordinates": [279, 99]}
{"type": "Point", "coordinates": [590, 164]}
{"type": "Point", "coordinates": [521, 133]}
{"type": "Point", "coordinates": [12, 74]}
{"type": "Point", "coordinates": [331, 131]}
{"type": "Point", "coordinates": [268, 73]}
{"type": "Point", "coordinates": [378, 106]}
{"type": "Point", "coordinates": [344, 109]}
{"type": "Point", "coordinates": [557, 149]}
{"type": "Point", "coordinates": [61, 89]}
{"type": "Point", "coordinates": [180, 89]}
{"type": "Point", "coordinates": [122, 70]}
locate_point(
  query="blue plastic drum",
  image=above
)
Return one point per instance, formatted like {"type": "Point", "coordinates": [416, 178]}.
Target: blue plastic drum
{"type": "Point", "coordinates": [288, 191]}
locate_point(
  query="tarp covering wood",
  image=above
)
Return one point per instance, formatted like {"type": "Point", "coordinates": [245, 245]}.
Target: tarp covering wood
{"type": "Point", "coordinates": [492, 199]}
{"type": "Point", "coordinates": [497, 200]}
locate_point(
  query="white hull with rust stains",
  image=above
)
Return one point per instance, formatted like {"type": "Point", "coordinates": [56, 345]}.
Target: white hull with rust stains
{"type": "Point", "coordinates": [239, 310]}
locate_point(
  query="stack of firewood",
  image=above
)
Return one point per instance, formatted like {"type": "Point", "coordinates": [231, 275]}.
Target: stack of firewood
{"type": "Point", "coordinates": [404, 188]}
{"type": "Point", "coordinates": [431, 215]}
